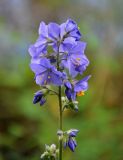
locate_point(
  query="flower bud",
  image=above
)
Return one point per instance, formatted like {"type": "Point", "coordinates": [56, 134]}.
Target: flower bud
{"type": "Point", "coordinates": [60, 134]}
{"type": "Point", "coordinates": [50, 153]}
{"type": "Point", "coordinates": [63, 99]}
{"type": "Point", "coordinates": [69, 139]}
{"type": "Point", "coordinates": [44, 155]}
{"type": "Point", "coordinates": [39, 97]}
{"type": "Point", "coordinates": [47, 147]}
{"type": "Point", "coordinates": [53, 148]}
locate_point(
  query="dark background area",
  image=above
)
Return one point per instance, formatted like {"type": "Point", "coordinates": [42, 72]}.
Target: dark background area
{"type": "Point", "coordinates": [24, 127]}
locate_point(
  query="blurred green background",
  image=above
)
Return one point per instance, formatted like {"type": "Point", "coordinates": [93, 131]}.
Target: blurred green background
{"type": "Point", "coordinates": [24, 127]}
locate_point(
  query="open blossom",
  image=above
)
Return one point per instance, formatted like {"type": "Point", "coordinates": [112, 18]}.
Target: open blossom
{"type": "Point", "coordinates": [48, 36]}
{"type": "Point", "coordinates": [76, 88]}
{"type": "Point", "coordinates": [70, 29]}
{"type": "Point", "coordinates": [75, 60]}
{"type": "Point", "coordinates": [45, 73]}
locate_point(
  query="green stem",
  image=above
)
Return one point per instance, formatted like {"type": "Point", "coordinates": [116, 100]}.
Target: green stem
{"type": "Point", "coordinates": [60, 123]}
{"type": "Point", "coordinates": [60, 108]}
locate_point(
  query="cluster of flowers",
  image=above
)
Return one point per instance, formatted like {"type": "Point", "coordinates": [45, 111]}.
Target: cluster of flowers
{"type": "Point", "coordinates": [51, 152]}
{"type": "Point", "coordinates": [57, 57]}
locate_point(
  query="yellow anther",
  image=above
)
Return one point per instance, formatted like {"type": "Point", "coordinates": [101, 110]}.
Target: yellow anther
{"type": "Point", "coordinates": [78, 59]}
{"type": "Point", "coordinates": [81, 93]}
{"type": "Point", "coordinates": [49, 77]}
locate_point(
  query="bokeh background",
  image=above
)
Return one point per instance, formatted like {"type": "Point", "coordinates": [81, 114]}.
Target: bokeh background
{"type": "Point", "coordinates": [24, 127]}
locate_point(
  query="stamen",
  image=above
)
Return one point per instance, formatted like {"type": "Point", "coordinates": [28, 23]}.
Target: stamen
{"type": "Point", "coordinates": [81, 93]}
{"type": "Point", "coordinates": [78, 59]}
{"type": "Point", "coordinates": [49, 77]}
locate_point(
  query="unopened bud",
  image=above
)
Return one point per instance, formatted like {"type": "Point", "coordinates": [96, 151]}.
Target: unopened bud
{"type": "Point", "coordinates": [47, 147]}
{"type": "Point", "coordinates": [63, 99]}
{"type": "Point", "coordinates": [60, 134]}
{"type": "Point", "coordinates": [53, 148]}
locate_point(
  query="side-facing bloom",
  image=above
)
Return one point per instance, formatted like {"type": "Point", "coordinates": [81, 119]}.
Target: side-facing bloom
{"type": "Point", "coordinates": [39, 97]}
{"type": "Point", "coordinates": [75, 60]}
{"type": "Point", "coordinates": [70, 141]}
{"type": "Point", "coordinates": [70, 29]}
{"type": "Point", "coordinates": [45, 73]}
{"type": "Point", "coordinates": [76, 88]}
{"type": "Point", "coordinates": [48, 36]}
{"type": "Point", "coordinates": [69, 34]}
{"type": "Point", "coordinates": [41, 44]}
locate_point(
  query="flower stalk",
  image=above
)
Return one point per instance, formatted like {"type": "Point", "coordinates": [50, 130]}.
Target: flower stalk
{"type": "Point", "coordinates": [60, 123]}
{"type": "Point", "coordinates": [60, 106]}
{"type": "Point", "coordinates": [57, 57]}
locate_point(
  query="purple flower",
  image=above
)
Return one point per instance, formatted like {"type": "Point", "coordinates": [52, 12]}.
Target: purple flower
{"type": "Point", "coordinates": [72, 132]}
{"type": "Point", "coordinates": [70, 29]}
{"type": "Point", "coordinates": [48, 36]}
{"type": "Point", "coordinates": [76, 88]}
{"type": "Point", "coordinates": [75, 60]}
{"type": "Point", "coordinates": [67, 43]}
{"type": "Point", "coordinates": [39, 97]}
{"type": "Point", "coordinates": [69, 34]}
{"type": "Point", "coordinates": [36, 52]}
{"type": "Point", "coordinates": [69, 94]}
{"type": "Point", "coordinates": [68, 90]}
{"type": "Point", "coordinates": [54, 31]}
{"type": "Point", "coordinates": [45, 73]}
{"type": "Point", "coordinates": [71, 142]}
{"type": "Point", "coordinates": [42, 41]}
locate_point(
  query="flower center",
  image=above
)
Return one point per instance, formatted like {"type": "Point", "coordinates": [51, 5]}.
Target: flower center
{"type": "Point", "coordinates": [78, 59]}
{"type": "Point", "coordinates": [81, 93]}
